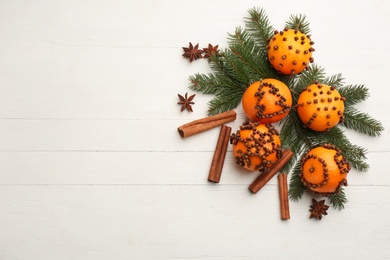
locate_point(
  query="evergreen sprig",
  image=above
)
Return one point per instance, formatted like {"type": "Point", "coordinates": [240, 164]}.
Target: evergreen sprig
{"type": "Point", "coordinates": [354, 94]}
{"type": "Point", "coordinates": [361, 122]}
{"type": "Point", "coordinates": [258, 26]}
{"type": "Point", "coordinates": [334, 80]}
{"type": "Point", "coordinates": [296, 189]}
{"type": "Point", "coordinates": [339, 199]}
{"type": "Point", "coordinates": [245, 61]}
{"type": "Point", "coordinates": [298, 22]}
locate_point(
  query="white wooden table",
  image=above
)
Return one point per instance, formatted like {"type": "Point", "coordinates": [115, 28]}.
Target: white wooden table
{"type": "Point", "coordinates": [92, 166]}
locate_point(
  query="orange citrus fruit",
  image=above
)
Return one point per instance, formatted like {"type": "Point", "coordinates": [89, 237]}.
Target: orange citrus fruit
{"type": "Point", "coordinates": [320, 107]}
{"type": "Point", "coordinates": [324, 170]}
{"type": "Point", "coordinates": [290, 51]}
{"type": "Point", "coordinates": [256, 146]}
{"type": "Point", "coordinates": [267, 101]}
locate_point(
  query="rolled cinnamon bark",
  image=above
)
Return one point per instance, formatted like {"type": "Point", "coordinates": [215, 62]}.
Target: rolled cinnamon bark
{"type": "Point", "coordinates": [265, 177]}
{"type": "Point", "coordinates": [219, 154]}
{"type": "Point", "coordinates": [206, 123]}
{"type": "Point", "coordinates": [283, 196]}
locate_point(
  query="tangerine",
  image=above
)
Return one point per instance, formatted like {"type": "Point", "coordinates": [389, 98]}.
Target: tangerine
{"type": "Point", "coordinates": [267, 101]}
{"type": "Point", "coordinates": [320, 107]}
{"type": "Point", "coordinates": [256, 146]}
{"type": "Point", "coordinates": [290, 51]}
{"type": "Point", "coordinates": [324, 170]}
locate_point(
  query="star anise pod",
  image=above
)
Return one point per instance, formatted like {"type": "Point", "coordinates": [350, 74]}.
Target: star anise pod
{"type": "Point", "coordinates": [318, 208]}
{"type": "Point", "coordinates": [210, 50]}
{"type": "Point", "coordinates": [192, 53]}
{"type": "Point", "coordinates": [186, 102]}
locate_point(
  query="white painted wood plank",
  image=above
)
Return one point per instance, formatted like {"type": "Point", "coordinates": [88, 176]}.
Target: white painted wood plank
{"type": "Point", "coordinates": [45, 168]}
{"type": "Point", "coordinates": [165, 222]}
{"type": "Point", "coordinates": [128, 135]}
{"type": "Point", "coordinates": [154, 24]}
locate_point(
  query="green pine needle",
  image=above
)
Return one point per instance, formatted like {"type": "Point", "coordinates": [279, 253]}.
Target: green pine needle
{"type": "Point", "coordinates": [298, 22]}
{"type": "Point", "coordinates": [296, 189]}
{"type": "Point", "coordinates": [339, 199]}
{"type": "Point", "coordinates": [362, 122]}
{"type": "Point", "coordinates": [334, 80]}
{"type": "Point", "coordinates": [225, 101]}
{"type": "Point", "coordinates": [307, 77]}
{"type": "Point", "coordinates": [258, 26]}
{"type": "Point", "coordinates": [354, 94]}
{"type": "Point", "coordinates": [249, 57]}
{"type": "Point", "coordinates": [207, 84]}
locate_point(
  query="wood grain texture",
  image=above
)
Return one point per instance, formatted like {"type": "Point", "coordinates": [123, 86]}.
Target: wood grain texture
{"type": "Point", "coordinates": [92, 166]}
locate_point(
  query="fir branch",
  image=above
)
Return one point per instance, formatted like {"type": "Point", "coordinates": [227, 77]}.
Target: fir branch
{"type": "Point", "coordinates": [298, 22]}
{"type": "Point", "coordinates": [259, 27]}
{"type": "Point", "coordinates": [293, 134]}
{"type": "Point", "coordinates": [354, 94]}
{"type": "Point", "coordinates": [339, 199]}
{"type": "Point", "coordinates": [306, 78]}
{"type": "Point", "coordinates": [334, 80]}
{"type": "Point", "coordinates": [296, 188]}
{"type": "Point", "coordinates": [334, 136]}
{"type": "Point", "coordinates": [228, 82]}
{"type": "Point", "coordinates": [207, 84]}
{"type": "Point", "coordinates": [240, 70]}
{"type": "Point", "coordinates": [225, 101]}
{"type": "Point", "coordinates": [361, 122]}
{"type": "Point", "coordinates": [355, 155]}
{"type": "Point", "coordinates": [221, 65]}
{"type": "Point", "coordinates": [250, 57]}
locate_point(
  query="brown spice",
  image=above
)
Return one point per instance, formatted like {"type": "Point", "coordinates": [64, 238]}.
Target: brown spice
{"type": "Point", "coordinates": [219, 154]}
{"type": "Point", "coordinates": [283, 197]}
{"type": "Point", "coordinates": [186, 102]}
{"type": "Point", "coordinates": [206, 123]}
{"type": "Point", "coordinates": [192, 52]}
{"type": "Point", "coordinates": [208, 52]}
{"type": "Point", "coordinates": [318, 208]}
{"type": "Point", "coordinates": [266, 176]}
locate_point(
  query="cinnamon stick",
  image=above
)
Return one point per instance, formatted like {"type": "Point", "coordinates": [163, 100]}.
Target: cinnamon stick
{"type": "Point", "coordinates": [265, 177]}
{"type": "Point", "coordinates": [219, 154]}
{"type": "Point", "coordinates": [206, 123]}
{"type": "Point", "coordinates": [283, 197]}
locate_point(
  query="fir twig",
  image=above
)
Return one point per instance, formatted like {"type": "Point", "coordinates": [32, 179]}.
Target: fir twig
{"type": "Point", "coordinates": [250, 57]}
{"type": "Point", "coordinates": [298, 22]}
{"type": "Point", "coordinates": [362, 122]}
{"type": "Point", "coordinates": [355, 154]}
{"type": "Point", "coordinates": [334, 80]}
{"type": "Point", "coordinates": [296, 188]}
{"type": "Point", "coordinates": [223, 66]}
{"type": "Point", "coordinates": [354, 94]}
{"type": "Point", "coordinates": [225, 101]}
{"type": "Point", "coordinates": [207, 84]}
{"type": "Point", "coordinates": [307, 77]}
{"type": "Point", "coordinates": [338, 199]}
{"type": "Point", "coordinates": [257, 24]}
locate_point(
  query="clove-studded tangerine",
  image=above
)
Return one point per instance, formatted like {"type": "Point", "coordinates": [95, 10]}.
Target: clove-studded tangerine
{"type": "Point", "coordinates": [290, 51]}
{"type": "Point", "coordinates": [320, 107]}
{"type": "Point", "coordinates": [324, 170]}
{"type": "Point", "coordinates": [256, 146]}
{"type": "Point", "coordinates": [267, 101]}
